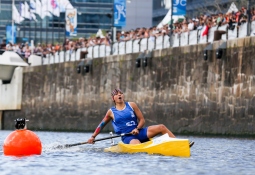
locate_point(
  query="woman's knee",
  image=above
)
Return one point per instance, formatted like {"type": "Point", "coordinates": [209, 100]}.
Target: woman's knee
{"type": "Point", "coordinates": [134, 141]}
{"type": "Point", "coordinates": [162, 127]}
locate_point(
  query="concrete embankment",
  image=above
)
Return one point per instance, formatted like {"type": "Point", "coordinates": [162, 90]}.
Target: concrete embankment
{"type": "Point", "coordinates": [178, 88]}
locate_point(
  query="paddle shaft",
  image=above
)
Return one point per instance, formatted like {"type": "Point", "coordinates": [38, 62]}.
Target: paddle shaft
{"type": "Point", "coordinates": [105, 138]}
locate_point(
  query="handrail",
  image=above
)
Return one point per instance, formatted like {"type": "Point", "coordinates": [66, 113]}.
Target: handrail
{"type": "Point", "coordinates": [161, 42]}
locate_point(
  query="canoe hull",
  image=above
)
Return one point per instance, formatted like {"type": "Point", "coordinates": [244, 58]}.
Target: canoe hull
{"type": "Point", "coordinates": [163, 146]}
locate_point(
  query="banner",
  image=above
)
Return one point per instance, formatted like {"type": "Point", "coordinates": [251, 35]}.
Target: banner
{"type": "Point", "coordinates": [71, 22]}
{"type": "Point", "coordinates": [9, 34]}
{"type": "Point", "coordinates": [179, 7]}
{"type": "Point", "coordinates": [120, 13]}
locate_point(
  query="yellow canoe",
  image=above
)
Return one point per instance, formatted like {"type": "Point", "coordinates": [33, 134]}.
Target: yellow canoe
{"type": "Point", "coordinates": [163, 145]}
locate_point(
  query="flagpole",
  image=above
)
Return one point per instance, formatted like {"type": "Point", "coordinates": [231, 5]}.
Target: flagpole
{"type": "Point", "coordinates": [171, 22]}
{"type": "Point", "coordinates": [13, 22]}
{"type": "Point", "coordinates": [112, 21]}
{"type": "Point", "coordinates": [47, 23]}
{"type": "Point", "coordinates": [41, 26]}
{"type": "Point", "coordinates": [29, 40]}
{"type": "Point", "coordinates": [52, 32]}
{"type": "Point", "coordinates": [248, 13]}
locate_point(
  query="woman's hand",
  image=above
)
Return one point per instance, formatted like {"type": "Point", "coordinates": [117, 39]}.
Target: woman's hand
{"type": "Point", "coordinates": [135, 131]}
{"type": "Point", "coordinates": [91, 140]}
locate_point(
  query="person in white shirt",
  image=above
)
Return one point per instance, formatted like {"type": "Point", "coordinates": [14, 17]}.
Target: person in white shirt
{"type": "Point", "coordinates": [191, 25]}
{"type": "Point", "coordinates": [9, 46]}
{"type": "Point", "coordinates": [16, 48]}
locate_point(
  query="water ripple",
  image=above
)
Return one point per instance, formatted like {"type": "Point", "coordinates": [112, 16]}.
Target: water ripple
{"type": "Point", "coordinates": [209, 155]}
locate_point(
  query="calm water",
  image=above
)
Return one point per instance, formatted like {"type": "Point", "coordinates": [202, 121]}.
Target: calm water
{"type": "Point", "coordinates": [209, 156]}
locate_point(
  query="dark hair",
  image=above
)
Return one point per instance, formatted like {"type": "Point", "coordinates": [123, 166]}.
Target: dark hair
{"type": "Point", "coordinates": [115, 92]}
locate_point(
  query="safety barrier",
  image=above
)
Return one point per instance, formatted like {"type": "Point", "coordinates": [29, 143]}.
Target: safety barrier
{"type": "Point", "coordinates": [151, 43]}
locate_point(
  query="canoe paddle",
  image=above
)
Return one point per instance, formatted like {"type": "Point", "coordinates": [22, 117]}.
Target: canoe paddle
{"type": "Point", "coordinates": [82, 143]}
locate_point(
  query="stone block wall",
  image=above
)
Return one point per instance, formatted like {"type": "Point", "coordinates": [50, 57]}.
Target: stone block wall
{"type": "Point", "coordinates": [178, 88]}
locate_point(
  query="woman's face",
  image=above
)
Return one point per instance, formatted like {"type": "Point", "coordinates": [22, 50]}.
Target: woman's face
{"type": "Point", "coordinates": [118, 97]}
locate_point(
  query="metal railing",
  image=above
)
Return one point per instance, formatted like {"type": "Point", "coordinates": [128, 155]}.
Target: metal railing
{"type": "Point", "coordinates": [152, 43]}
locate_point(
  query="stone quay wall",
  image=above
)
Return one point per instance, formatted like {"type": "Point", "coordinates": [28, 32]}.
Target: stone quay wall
{"type": "Point", "coordinates": [178, 88]}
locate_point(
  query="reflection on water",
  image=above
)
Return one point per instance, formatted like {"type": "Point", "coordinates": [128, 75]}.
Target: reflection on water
{"type": "Point", "coordinates": [208, 156]}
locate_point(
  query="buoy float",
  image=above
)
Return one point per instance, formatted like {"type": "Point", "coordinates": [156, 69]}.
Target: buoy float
{"type": "Point", "coordinates": [22, 142]}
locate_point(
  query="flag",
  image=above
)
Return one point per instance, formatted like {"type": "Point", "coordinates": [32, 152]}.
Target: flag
{"type": "Point", "coordinates": [24, 11]}
{"type": "Point", "coordinates": [16, 16]}
{"type": "Point", "coordinates": [53, 8]}
{"type": "Point", "coordinates": [38, 8]}
{"type": "Point", "coordinates": [232, 8]}
{"type": "Point", "coordinates": [32, 6]}
{"type": "Point", "coordinates": [63, 5]}
{"type": "Point", "coordinates": [45, 9]}
{"type": "Point", "coordinates": [30, 14]}
{"type": "Point", "coordinates": [33, 9]}
{"type": "Point", "coordinates": [167, 4]}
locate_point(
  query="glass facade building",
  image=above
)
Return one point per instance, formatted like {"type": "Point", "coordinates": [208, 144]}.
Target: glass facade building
{"type": "Point", "coordinates": [159, 12]}
{"type": "Point", "coordinates": [96, 14]}
{"type": "Point", "coordinates": [92, 15]}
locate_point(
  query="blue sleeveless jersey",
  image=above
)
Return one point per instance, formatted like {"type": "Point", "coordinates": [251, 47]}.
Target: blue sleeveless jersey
{"type": "Point", "coordinates": [124, 120]}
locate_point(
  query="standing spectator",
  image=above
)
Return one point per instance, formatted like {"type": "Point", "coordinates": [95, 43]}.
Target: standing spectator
{"type": "Point", "coordinates": [232, 20]}
{"type": "Point", "coordinates": [27, 52]}
{"type": "Point", "coordinates": [104, 41]}
{"type": "Point", "coordinates": [122, 36]}
{"type": "Point", "coordinates": [16, 48]}
{"type": "Point", "coordinates": [219, 19]}
{"type": "Point", "coordinates": [152, 36]}
{"type": "Point", "coordinates": [38, 49]}
{"type": "Point", "coordinates": [109, 37]}
{"type": "Point", "coordinates": [196, 24]}
{"type": "Point", "coordinates": [132, 34]}
{"type": "Point", "coordinates": [207, 27]}
{"type": "Point", "coordinates": [57, 48]}
{"type": "Point", "coordinates": [65, 44]}
{"type": "Point", "coordinates": [3, 44]}
{"type": "Point", "coordinates": [191, 24]}
{"type": "Point", "coordinates": [184, 27]}
{"type": "Point", "coordinates": [9, 46]}
{"type": "Point", "coordinates": [79, 43]}
{"type": "Point", "coordinates": [244, 11]}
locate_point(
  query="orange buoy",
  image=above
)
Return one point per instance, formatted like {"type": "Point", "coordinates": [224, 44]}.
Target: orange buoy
{"type": "Point", "coordinates": [22, 142]}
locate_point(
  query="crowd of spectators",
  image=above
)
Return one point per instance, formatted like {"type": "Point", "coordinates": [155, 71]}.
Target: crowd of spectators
{"type": "Point", "coordinates": [232, 19]}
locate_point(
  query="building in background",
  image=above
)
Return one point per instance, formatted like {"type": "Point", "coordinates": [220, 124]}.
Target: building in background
{"type": "Point", "coordinates": [139, 14]}
{"type": "Point", "coordinates": [160, 9]}
{"type": "Point", "coordinates": [91, 16]}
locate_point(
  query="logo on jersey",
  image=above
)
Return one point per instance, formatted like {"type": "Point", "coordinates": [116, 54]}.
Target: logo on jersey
{"type": "Point", "coordinates": [132, 114]}
{"type": "Point", "coordinates": [131, 123]}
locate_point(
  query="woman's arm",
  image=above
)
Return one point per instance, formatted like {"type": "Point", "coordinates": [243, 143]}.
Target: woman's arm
{"type": "Point", "coordinates": [106, 119]}
{"type": "Point", "coordinates": [138, 114]}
